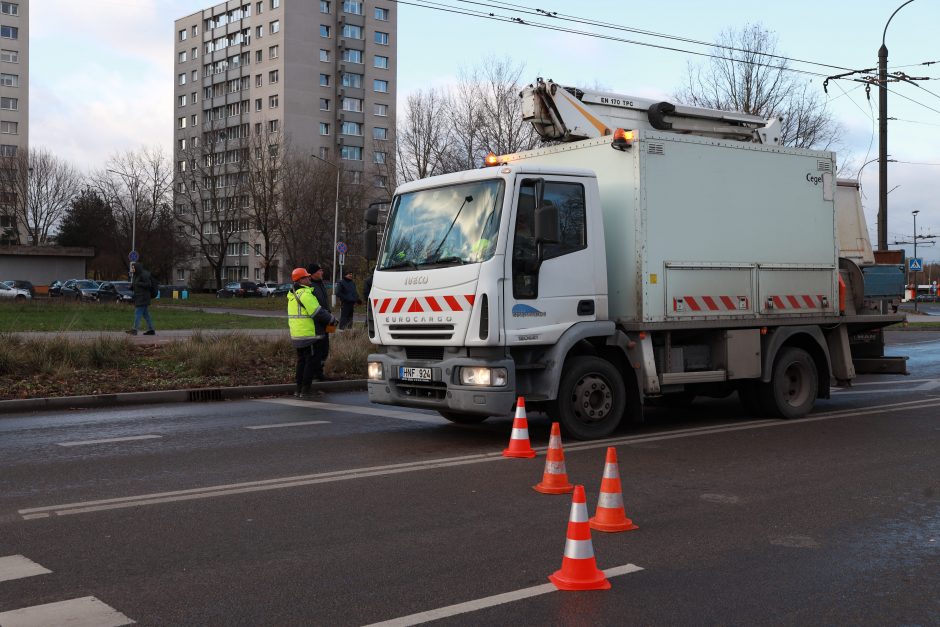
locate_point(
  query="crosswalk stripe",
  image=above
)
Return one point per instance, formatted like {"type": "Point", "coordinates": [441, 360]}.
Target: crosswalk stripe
{"type": "Point", "coordinates": [110, 440]}
{"type": "Point", "coordinates": [18, 566]}
{"type": "Point", "coordinates": [354, 409]}
{"type": "Point", "coordinates": [82, 612]}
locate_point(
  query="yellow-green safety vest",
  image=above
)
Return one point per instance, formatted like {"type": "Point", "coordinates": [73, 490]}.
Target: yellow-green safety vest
{"type": "Point", "coordinates": [302, 306]}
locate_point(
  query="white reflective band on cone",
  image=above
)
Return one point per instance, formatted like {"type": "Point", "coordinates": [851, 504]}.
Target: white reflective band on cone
{"type": "Point", "coordinates": [520, 412]}
{"type": "Point", "coordinates": [579, 549]}
{"type": "Point", "coordinates": [578, 512]}
{"type": "Point", "coordinates": [519, 434]}
{"type": "Point", "coordinates": [555, 468]}
{"type": "Point", "coordinates": [554, 441]}
{"type": "Point", "coordinates": [611, 471]}
{"type": "Point", "coordinates": [610, 500]}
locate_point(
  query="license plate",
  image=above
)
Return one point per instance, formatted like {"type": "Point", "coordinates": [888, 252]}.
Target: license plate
{"type": "Point", "coordinates": [414, 374]}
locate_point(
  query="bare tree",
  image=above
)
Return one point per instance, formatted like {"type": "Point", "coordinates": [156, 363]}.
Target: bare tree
{"type": "Point", "coordinates": [262, 188]}
{"type": "Point", "coordinates": [423, 135]}
{"type": "Point", "coordinates": [502, 129]}
{"type": "Point", "coordinates": [40, 188]}
{"type": "Point", "coordinates": [747, 74]}
{"type": "Point", "coordinates": [306, 209]}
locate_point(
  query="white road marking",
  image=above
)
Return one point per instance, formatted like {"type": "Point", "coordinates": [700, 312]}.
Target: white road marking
{"type": "Point", "coordinates": [290, 424]}
{"type": "Point", "coordinates": [497, 599]}
{"type": "Point", "coordinates": [447, 462]}
{"type": "Point", "coordinates": [365, 411]}
{"type": "Point", "coordinates": [18, 566]}
{"type": "Point", "coordinates": [109, 440]}
{"type": "Point", "coordinates": [83, 612]}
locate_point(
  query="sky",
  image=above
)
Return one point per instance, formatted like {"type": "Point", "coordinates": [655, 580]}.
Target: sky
{"type": "Point", "coordinates": [101, 82]}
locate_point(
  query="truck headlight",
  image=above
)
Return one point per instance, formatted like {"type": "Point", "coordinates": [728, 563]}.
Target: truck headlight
{"type": "Point", "coordinates": [491, 377]}
{"type": "Point", "coordinates": [376, 372]}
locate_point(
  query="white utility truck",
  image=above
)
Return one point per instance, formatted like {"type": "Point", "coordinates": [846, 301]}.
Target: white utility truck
{"type": "Point", "coordinates": [654, 252]}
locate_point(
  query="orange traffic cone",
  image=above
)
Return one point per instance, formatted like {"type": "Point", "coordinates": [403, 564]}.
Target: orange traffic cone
{"type": "Point", "coordinates": [610, 515]}
{"type": "Point", "coordinates": [579, 568]}
{"type": "Point", "coordinates": [519, 440]}
{"type": "Point", "coordinates": [555, 477]}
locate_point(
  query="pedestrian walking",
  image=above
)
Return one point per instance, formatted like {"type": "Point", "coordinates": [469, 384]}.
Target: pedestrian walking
{"type": "Point", "coordinates": [145, 288]}
{"type": "Point", "coordinates": [321, 350]}
{"type": "Point", "coordinates": [349, 297]}
{"type": "Point", "coordinates": [307, 320]}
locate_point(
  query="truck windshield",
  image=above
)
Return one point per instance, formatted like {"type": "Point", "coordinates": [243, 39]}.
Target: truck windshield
{"type": "Point", "coordinates": [450, 225]}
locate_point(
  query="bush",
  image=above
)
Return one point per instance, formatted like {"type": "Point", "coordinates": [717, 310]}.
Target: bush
{"type": "Point", "coordinates": [349, 351]}
{"type": "Point", "coordinates": [54, 356]}
{"type": "Point", "coordinates": [206, 355]}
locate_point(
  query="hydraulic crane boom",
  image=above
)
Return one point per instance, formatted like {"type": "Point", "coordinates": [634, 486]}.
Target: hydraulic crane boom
{"type": "Point", "coordinates": [569, 114]}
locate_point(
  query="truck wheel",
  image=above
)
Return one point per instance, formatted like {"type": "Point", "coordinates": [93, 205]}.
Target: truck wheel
{"type": "Point", "coordinates": [463, 419]}
{"type": "Point", "coordinates": [791, 392]}
{"type": "Point", "coordinates": [591, 398]}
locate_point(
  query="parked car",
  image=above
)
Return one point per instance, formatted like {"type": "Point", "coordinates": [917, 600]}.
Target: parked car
{"type": "Point", "coordinates": [239, 289]}
{"type": "Point", "coordinates": [22, 285]}
{"type": "Point", "coordinates": [84, 290]}
{"type": "Point", "coordinates": [282, 289]}
{"type": "Point", "coordinates": [267, 288]}
{"type": "Point", "coordinates": [55, 288]}
{"type": "Point", "coordinates": [115, 292]}
{"type": "Point", "coordinates": [13, 293]}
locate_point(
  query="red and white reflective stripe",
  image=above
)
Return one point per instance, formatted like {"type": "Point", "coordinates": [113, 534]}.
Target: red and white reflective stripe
{"type": "Point", "coordinates": [796, 301]}
{"type": "Point", "coordinates": [711, 303]}
{"type": "Point", "coordinates": [423, 304]}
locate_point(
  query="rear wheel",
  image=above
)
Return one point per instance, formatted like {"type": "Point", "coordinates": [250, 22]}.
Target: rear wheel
{"type": "Point", "coordinates": [591, 398]}
{"type": "Point", "coordinates": [463, 419]}
{"type": "Point", "coordinates": [20, 298]}
{"type": "Point", "coordinates": [791, 392]}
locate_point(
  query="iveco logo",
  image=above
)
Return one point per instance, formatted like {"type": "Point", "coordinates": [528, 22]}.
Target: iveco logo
{"type": "Point", "coordinates": [417, 279]}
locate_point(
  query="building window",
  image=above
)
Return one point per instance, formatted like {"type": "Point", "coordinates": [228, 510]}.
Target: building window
{"type": "Point", "coordinates": [379, 133]}
{"type": "Point", "coordinates": [352, 80]}
{"type": "Point", "coordinates": [9, 32]}
{"type": "Point", "coordinates": [353, 56]}
{"type": "Point", "coordinates": [182, 100]}
{"type": "Point", "coordinates": [324, 152]}
{"type": "Point", "coordinates": [273, 52]}
{"type": "Point", "coordinates": [258, 56]}
{"type": "Point", "coordinates": [274, 126]}
{"type": "Point", "coordinates": [352, 104]}
{"type": "Point", "coordinates": [257, 104]}
{"type": "Point", "coordinates": [195, 75]}
{"type": "Point", "coordinates": [7, 151]}
{"type": "Point", "coordinates": [9, 56]}
{"type": "Point", "coordinates": [352, 32]}
{"type": "Point", "coordinates": [259, 7]}
{"type": "Point", "coordinates": [380, 181]}
{"type": "Point", "coordinates": [9, 80]}
{"type": "Point", "coordinates": [9, 8]}
{"type": "Point", "coordinates": [181, 143]}
{"type": "Point", "coordinates": [324, 104]}
{"type": "Point", "coordinates": [180, 275]}
{"type": "Point", "coordinates": [194, 119]}
{"type": "Point", "coordinates": [355, 177]}
{"type": "Point", "coordinates": [182, 78]}
{"type": "Point", "coordinates": [352, 6]}
{"type": "Point", "coordinates": [381, 14]}
{"type": "Point", "coordinates": [324, 30]}
{"type": "Point", "coordinates": [194, 53]}
{"type": "Point", "coordinates": [380, 109]}
{"type": "Point", "coordinates": [380, 86]}
{"type": "Point", "coordinates": [324, 55]}
{"type": "Point", "coordinates": [275, 26]}
{"type": "Point", "coordinates": [324, 128]}
{"type": "Point", "coordinates": [324, 80]}
{"type": "Point", "coordinates": [378, 157]}
{"type": "Point", "coordinates": [9, 128]}
{"type": "Point", "coordinates": [195, 29]}
{"type": "Point", "coordinates": [275, 4]}
{"type": "Point", "coordinates": [352, 128]}
{"type": "Point", "coordinates": [9, 104]}
{"type": "Point", "coordinates": [381, 38]}
{"type": "Point", "coordinates": [273, 102]}
{"type": "Point", "coordinates": [182, 56]}
{"type": "Point", "coordinates": [183, 34]}
{"type": "Point", "coordinates": [351, 153]}
{"type": "Point", "coordinates": [181, 122]}
{"type": "Point", "coordinates": [324, 6]}
{"type": "Point", "coordinates": [259, 32]}
{"type": "Point", "coordinates": [381, 62]}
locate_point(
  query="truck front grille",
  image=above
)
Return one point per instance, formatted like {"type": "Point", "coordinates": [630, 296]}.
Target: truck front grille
{"type": "Point", "coordinates": [435, 390]}
{"type": "Point", "coordinates": [430, 353]}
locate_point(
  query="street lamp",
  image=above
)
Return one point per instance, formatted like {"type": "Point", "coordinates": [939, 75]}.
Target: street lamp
{"type": "Point", "coordinates": [134, 195]}
{"type": "Point", "coordinates": [335, 228]}
{"type": "Point", "coordinates": [883, 136]}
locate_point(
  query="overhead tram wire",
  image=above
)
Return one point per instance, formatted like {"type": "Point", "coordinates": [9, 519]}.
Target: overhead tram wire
{"type": "Point", "coordinates": [427, 4]}
{"type": "Point", "coordinates": [581, 20]}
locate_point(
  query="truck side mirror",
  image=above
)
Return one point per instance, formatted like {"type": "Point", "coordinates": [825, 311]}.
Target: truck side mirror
{"type": "Point", "coordinates": [371, 216]}
{"type": "Point", "coordinates": [546, 224]}
{"type": "Point", "coordinates": [370, 243]}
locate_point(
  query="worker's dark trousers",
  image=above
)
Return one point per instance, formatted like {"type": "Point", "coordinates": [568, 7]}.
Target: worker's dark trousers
{"type": "Point", "coordinates": [321, 350]}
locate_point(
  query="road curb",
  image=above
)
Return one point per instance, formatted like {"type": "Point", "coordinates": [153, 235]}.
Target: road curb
{"type": "Point", "coordinates": [95, 401]}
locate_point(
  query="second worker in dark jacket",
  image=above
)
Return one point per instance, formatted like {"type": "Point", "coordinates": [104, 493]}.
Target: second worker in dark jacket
{"type": "Point", "coordinates": [348, 295]}
{"type": "Point", "coordinates": [321, 350]}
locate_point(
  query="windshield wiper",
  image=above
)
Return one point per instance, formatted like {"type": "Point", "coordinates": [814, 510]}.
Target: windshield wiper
{"type": "Point", "coordinates": [400, 264]}
{"type": "Point", "coordinates": [449, 259]}
{"type": "Point", "coordinates": [437, 248]}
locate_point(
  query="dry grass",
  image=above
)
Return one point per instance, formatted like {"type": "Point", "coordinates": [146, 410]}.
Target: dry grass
{"type": "Point", "coordinates": [348, 352]}
{"type": "Point", "coordinates": [58, 356]}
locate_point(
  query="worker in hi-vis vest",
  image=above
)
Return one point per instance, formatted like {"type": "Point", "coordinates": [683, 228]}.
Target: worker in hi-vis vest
{"type": "Point", "coordinates": [309, 323]}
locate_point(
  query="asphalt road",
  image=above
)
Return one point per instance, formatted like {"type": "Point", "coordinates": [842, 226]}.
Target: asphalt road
{"type": "Point", "coordinates": [282, 512]}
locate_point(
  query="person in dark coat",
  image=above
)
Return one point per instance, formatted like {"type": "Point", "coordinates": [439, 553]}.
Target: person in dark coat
{"type": "Point", "coordinates": [349, 297]}
{"type": "Point", "coordinates": [321, 350]}
{"type": "Point", "coordinates": [143, 286]}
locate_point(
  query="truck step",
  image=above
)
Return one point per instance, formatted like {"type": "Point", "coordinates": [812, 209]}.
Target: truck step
{"type": "Point", "coordinates": [537, 366]}
{"type": "Point", "coordinates": [880, 365]}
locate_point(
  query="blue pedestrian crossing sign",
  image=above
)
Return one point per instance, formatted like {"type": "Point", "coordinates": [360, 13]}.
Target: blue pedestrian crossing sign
{"type": "Point", "coordinates": [915, 264]}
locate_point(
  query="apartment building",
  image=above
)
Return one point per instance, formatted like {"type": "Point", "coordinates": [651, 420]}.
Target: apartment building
{"type": "Point", "coordinates": [14, 107]}
{"type": "Point", "coordinates": [321, 74]}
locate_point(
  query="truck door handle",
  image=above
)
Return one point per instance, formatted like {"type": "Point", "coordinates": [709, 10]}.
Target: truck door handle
{"type": "Point", "coordinates": [586, 308]}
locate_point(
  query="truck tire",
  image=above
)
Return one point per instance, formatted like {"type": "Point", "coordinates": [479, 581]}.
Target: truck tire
{"type": "Point", "coordinates": [591, 398]}
{"type": "Point", "coordinates": [463, 419]}
{"type": "Point", "coordinates": [791, 391]}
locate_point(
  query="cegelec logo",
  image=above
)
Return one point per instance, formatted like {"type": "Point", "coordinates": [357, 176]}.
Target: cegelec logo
{"type": "Point", "coordinates": [526, 311]}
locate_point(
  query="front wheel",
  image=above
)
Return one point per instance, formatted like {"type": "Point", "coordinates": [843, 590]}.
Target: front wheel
{"type": "Point", "coordinates": [463, 419]}
{"type": "Point", "coordinates": [791, 391]}
{"type": "Point", "coordinates": [591, 398]}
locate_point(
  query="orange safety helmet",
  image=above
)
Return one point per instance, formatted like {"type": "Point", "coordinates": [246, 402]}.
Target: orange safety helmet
{"type": "Point", "coordinates": [298, 274]}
